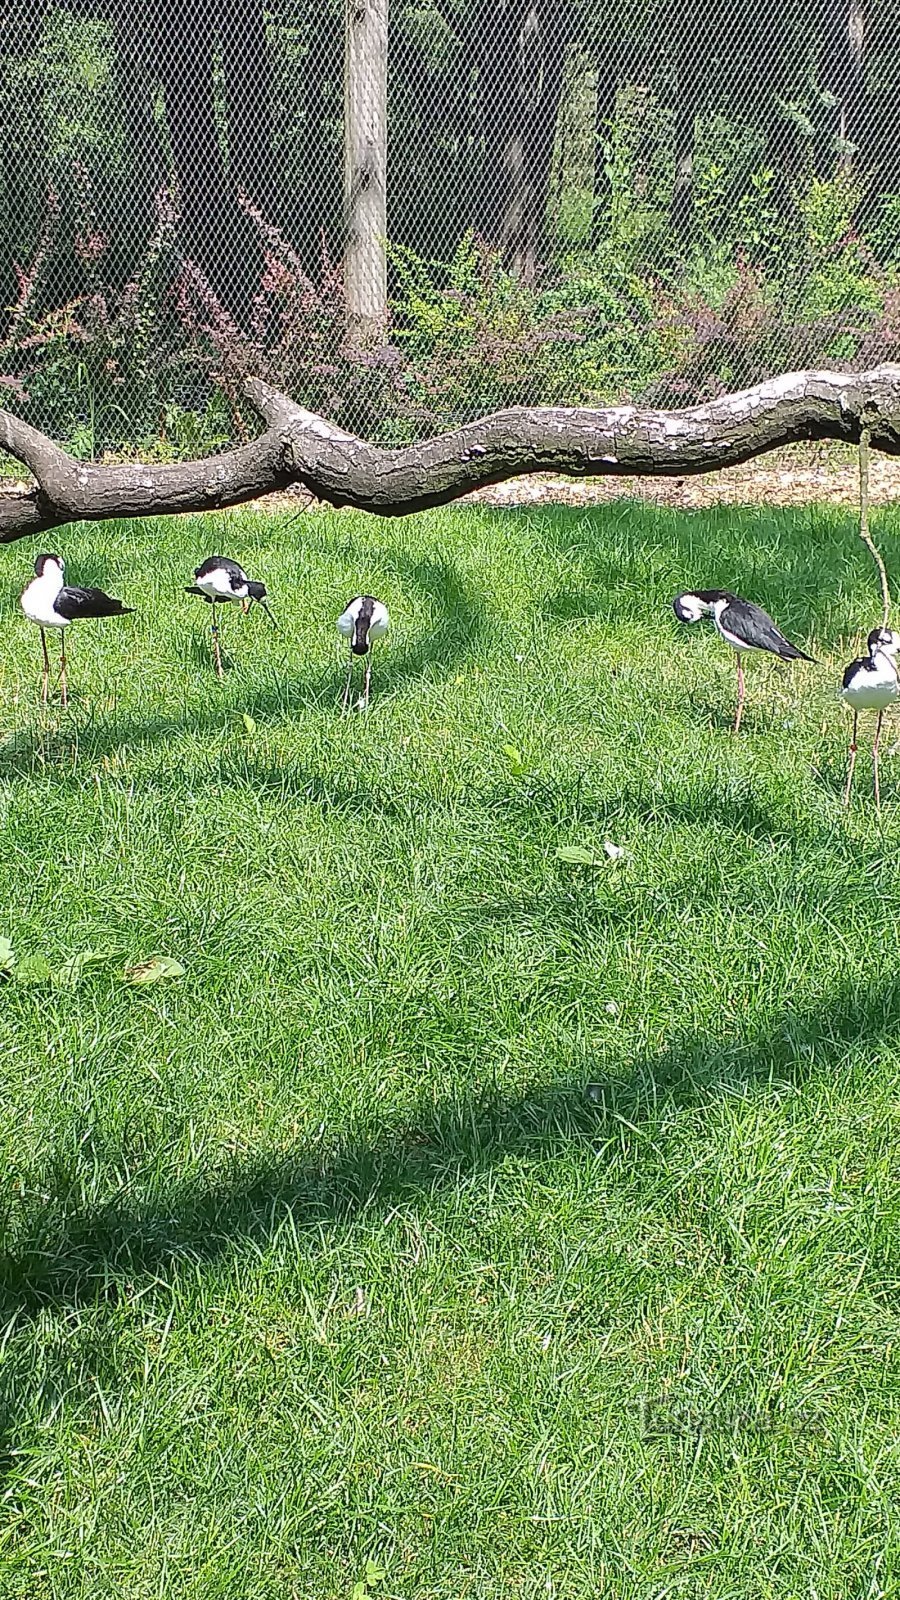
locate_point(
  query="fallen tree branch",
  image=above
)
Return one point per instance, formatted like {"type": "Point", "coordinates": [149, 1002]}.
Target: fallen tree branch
{"type": "Point", "coordinates": [298, 447]}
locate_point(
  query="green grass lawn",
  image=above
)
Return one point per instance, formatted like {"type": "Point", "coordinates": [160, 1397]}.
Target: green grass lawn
{"type": "Point", "coordinates": [520, 1227]}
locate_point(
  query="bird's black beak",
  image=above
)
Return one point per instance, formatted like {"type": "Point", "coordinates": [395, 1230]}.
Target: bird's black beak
{"type": "Point", "coordinates": [265, 607]}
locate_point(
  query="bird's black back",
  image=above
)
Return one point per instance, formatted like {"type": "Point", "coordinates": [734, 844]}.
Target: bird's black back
{"type": "Point", "coordinates": [72, 602]}
{"type": "Point", "coordinates": [754, 627]}
{"type": "Point", "coordinates": [236, 574]}
{"type": "Point", "coordinates": [360, 645]}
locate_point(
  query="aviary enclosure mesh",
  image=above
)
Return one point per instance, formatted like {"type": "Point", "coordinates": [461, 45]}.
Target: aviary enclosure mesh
{"type": "Point", "coordinates": [653, 202]}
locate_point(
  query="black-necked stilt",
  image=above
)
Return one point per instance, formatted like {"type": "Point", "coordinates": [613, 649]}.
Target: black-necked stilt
{"type": "Point", "coordinates": [224, 582]}
{"type": "Point", "coordinates": [363, 621]}
{"type": "Point", "coordinates": [744, 626]}
{"type": "Point", "coordinates": [871, 684]}
{"type": "Point", "coordinates": [52, 603]}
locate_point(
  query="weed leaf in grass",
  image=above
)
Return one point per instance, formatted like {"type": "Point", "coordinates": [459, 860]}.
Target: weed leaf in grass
{"type": "Point", "coordinates": [152, 971]}
{"type": "Point", "coordinates": [7, 955]}
{"type": "Point", "coordinates": [575, 855]}
{"type": "Point", "coordinates": [518, 766]}
{"type": "Point", "coordinates": [33, 969]}
{"type": "Point", "coordinates": [363, 1587]}
{"type": "Point", "coordinates": [245, 721]}
{"type": "Point", "coordinates": [72, 971]}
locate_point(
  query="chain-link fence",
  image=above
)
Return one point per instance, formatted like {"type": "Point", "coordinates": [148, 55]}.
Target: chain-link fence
{"type": "Point", "coordinates": [412, 218]}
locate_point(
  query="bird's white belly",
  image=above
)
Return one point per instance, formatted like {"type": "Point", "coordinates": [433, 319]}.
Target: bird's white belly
{"type": "Point", "coordinates": [217, 586]}
{"type": "Point", "coordinates": [876, 695]}
{"type": "Point", "coordinates": [37, 604]}
{"type": "Point", "coordinates": [740, 645]}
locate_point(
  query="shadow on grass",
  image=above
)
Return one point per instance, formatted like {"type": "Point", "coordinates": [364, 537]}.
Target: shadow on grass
{"type": "Point", "coordinates": [795, 563]}
{"type": "Point", "coordinates": [67, 1255]}
{"type": "Point", "coordinates": [540, 802]}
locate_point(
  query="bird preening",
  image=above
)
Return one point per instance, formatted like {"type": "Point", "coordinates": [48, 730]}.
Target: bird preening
{"type": "Point", "coordinates": [361, 622]}
{"type": "Point", "coordinates": [221, 581]}
{"type": "Point", "coordinates": [741, 624]}
{"type": "Point", "coordinates": [50, 602]}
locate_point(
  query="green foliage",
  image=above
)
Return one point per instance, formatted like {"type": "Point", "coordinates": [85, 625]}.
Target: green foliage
{"type": "Point", "coordinates": [827, 208]}
{"type": "Point", "coordinates": [476, 339]}
{"type": "Point", "coordinates": [72, 72]}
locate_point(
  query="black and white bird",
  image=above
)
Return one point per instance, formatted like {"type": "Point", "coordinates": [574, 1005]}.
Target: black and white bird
{"type": "Point", "coordinates": [52, 603]}
{"type": "Point", "coordinates": [871, 684]}
{"type": "Point", "coordinates": [742, 624]}
{"type": "Point", "coordinates": [224, 582]}
{"type": "Point", "coordinates": [363, 621]}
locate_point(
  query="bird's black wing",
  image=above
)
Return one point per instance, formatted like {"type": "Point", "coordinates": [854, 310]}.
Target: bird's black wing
{"type": "Point", "coordinates": [72, 602]}
{"type": "Point", "coordinates": [864, 664]}
{"type": "Point", "coordinates": [755, 628]}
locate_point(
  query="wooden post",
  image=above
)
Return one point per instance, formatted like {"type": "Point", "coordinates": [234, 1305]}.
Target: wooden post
{"type": "Point", "coordinates": [365, 162]}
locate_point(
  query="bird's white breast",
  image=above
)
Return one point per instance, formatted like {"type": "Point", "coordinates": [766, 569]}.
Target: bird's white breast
{"type": "Point", "coordinates": [730, 638]}
{"type": "Point", "coordinates": [870, 690]}
{"type": "Point", "coordinates": [38, 599]}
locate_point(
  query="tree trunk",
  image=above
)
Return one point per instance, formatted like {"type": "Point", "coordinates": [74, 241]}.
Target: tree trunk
{"type": "Point", "coordinates": [604, 130]}
{"type": "Point", "coordinates": [249, 98]}
{"type": "Point", "coordinates": [681, 208]}
{"type": "Point", "coordinates": [298, 447]}
{"type": "Point", "coordinates": [522, 54]}
{"type": "Point", "coordinates": [216, 233]}
{"type": "Point", "coordinates": [852, 108]}
{"type": "Point", "coordinates": [843, 73]}
{"type": "Point", "coordinates": [365, 167]}
{"type": "Point", "coordinates": [136, 83]}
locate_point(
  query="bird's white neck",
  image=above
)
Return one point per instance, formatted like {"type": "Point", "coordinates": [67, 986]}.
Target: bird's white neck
{"type": "Point", "coordinates": [50, 580]}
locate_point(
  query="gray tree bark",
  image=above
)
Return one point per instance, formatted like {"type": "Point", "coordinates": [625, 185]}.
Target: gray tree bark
{"type": "Point", "coordinates": [365, 169]}
{"type": "Point", "coordinates": [298, 447]}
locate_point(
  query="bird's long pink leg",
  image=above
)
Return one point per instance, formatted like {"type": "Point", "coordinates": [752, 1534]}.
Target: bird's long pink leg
{"type": "Point", "coordinates": [875, 760]}
{"type": "Point", "coordinates": [63, 680]}
{"type": "Point", "coordinates": [216, 647]}
{"type": "Point", "coordinates": [45, 679]}
{"type": "Point", "coordinates": [852, 760]}
{"type": "Point", "coordinates": [346, 700]}
{"type": "Point", "coordinates": [740, 700]}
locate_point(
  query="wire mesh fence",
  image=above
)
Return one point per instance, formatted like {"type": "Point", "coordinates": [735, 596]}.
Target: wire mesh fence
{"type": "Point", "coordinates": [409, 218]}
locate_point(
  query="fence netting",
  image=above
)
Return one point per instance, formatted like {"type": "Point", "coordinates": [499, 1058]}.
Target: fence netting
{"type": "Point", "coordinates": [408, 217]}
